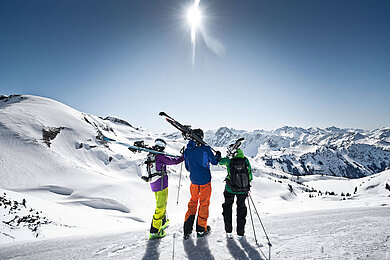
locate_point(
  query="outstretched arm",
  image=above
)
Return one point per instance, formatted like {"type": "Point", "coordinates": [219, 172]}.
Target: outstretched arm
{"type": "Point", "coordinates": [168, 160]}
{"type": "Point", "coordinates": [224, 161]}
{"type": "Point", "coordinates": [213, 159]}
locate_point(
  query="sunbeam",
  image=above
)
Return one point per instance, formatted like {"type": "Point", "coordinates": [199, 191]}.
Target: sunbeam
{"type": "Point", "coordinates": [194, 18]}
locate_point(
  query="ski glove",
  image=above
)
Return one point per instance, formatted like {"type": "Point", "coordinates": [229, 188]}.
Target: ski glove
{"type": "Point", "coordinates": [218, 155]}
{"type": "Point", "coordinates": [147, 179]}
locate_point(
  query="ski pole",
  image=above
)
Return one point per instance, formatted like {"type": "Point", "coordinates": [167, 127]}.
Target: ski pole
{"type": "Point", "coordinates": [178, 189]}
{"type": "Point", "coordinates": [253, 226]}
{"type": "Point", "coordinates": [254, 230]}
{"type": "Point", "coordinates": [173, 251]}
{"type": "Point", "coordinates": [162, 179]}
{"type": "Point", "coordinates": [265, 232]}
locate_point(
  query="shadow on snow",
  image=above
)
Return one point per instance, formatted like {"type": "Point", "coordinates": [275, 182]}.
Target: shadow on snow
{"type": "Point", "coordinates": [152, 250]}
{"type": "Point", "coordinates": [199, 251]}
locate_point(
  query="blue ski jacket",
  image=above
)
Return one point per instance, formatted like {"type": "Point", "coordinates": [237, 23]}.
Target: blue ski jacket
{"type": "Point", "coordinates": [197, 161]}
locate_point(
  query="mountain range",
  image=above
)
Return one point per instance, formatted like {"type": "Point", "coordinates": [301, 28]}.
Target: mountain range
{"type": "Point", "coordinates": [350, 153]}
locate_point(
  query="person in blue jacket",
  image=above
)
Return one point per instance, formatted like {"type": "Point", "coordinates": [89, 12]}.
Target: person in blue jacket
{"type": "Point", "coordinates": [197, 161]}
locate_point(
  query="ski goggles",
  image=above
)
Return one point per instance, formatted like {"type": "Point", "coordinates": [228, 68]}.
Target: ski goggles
{"type": "Point", "coordinates": [160, 143]}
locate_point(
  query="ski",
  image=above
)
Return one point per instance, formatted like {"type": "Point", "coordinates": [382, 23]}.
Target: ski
{"type": "Point", "coordinates": [186, 130]}
{"type": "Point", "coordinates": [135, 148]}
{"type": "Point", "coordinates": [233, 147]}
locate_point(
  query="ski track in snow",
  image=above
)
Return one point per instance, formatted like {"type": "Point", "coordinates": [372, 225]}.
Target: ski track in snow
{"type": "Point", "coordinates": [354, 233]}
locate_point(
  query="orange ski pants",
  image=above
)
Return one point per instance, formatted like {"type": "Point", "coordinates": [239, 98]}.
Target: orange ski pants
{"type": "Point", "coordinates": [201, 194]}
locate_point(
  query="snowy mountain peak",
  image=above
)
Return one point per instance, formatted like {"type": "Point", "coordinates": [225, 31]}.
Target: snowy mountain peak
{"type": "Point", "coordinates": [351, 153]}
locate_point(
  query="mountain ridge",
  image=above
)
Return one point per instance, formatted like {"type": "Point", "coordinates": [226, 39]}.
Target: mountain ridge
{"type": "Point", "coordinates": [348, 152]}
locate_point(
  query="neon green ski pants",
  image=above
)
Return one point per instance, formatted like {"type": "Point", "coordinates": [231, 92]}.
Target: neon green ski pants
{"type": "Point", "coordinates": [161, 207]}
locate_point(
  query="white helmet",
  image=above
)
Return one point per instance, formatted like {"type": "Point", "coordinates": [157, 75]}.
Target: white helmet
{"type": "Point", "coordinates": [160, 144]}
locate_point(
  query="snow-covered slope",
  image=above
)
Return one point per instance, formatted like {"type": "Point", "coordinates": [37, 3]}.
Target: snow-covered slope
{"type": "Point", "coordinates": [54, 154]}
{"type": "Point", "coordinates": [58, 178]}
{"type": "Point", "coordinates": [351, 153]}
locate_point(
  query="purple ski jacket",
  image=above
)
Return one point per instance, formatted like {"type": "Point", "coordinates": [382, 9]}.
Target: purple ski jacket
{"type": "Point", "coordinates": [161, 162]}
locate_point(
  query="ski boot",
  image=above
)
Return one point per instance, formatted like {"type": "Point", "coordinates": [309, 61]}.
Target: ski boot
{"type": "Point", "coordinates": [186, 236]}
{"type": "Point", "coordinates": [203, 233]}
{"type": "Point", "coordinates": [160, 234]}
{"type": "Point", "coordinates": [166, 224]}
{"type": "Point", "coordinates": [229, 235]}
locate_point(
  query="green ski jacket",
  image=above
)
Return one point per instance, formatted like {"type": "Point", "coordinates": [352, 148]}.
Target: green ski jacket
{"type": "Point", "coordinates": [226, 161]}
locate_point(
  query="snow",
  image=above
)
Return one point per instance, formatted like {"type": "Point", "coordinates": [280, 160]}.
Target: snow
{"type": "Point", "coordinates": [360, 233]}
{"type": "Point", "coordinates": [88, 199]}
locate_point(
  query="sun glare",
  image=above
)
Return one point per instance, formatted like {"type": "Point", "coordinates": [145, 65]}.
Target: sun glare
{"type": "Point", "coordinates": [194, 16]}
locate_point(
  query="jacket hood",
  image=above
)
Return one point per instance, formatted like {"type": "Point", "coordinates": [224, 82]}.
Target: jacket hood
{"type": "Point", "coordinates": [239, 154]}
{"type": "Point", "coordinates": [191, 144]}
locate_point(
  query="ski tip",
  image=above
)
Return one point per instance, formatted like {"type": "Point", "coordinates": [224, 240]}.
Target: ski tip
{"type": "Point", "coordinates": [162, 114]}
{"type": "Point", "coordinates": [108, 139]}
{"type": "Point", "coordinates": [241, 139]}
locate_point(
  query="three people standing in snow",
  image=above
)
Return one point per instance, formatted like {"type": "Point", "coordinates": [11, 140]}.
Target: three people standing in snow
{"type": "Point", "coordinates": [197, 157]}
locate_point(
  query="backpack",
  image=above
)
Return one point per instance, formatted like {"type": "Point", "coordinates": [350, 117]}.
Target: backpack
{"type": "Point", "coordinates": [150, 171]}
{"type": "Point", "coordinates": [239, 175]}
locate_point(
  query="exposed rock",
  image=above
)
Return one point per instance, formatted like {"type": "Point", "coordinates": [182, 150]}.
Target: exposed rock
{"type": "Point", "coordinates": [49, 133]}
{"type": "Point", "coordinates": [117, 120]}
{"type": "Point", "coordinates": [19, 216]}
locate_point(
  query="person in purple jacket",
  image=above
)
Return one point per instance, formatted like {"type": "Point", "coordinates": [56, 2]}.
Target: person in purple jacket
{"type": "Point", "coordinates": [158, 178]}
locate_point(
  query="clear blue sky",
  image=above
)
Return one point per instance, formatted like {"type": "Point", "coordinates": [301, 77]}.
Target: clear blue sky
{"type": "Point", "coordinates": [291, 62]}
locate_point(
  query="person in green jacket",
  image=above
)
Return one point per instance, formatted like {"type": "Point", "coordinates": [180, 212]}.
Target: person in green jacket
{"type": "Point", "coordinates": [232, 190]}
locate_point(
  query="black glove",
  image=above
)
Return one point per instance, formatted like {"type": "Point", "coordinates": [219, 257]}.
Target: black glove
{"type": "Point", "coordinates": [218, 155]}
{"type": "Point", "coordinates": [145, 178]}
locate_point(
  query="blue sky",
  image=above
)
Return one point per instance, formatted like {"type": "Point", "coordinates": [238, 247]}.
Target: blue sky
{"type": "Point", "coordinates": [298, 63]}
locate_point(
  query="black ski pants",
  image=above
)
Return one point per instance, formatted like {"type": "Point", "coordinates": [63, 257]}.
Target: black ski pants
{"type": "Point", "coordinates": [241, 212]}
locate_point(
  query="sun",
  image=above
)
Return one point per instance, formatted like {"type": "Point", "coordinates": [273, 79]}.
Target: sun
{"type": "Point", "coordinates": [194, 17]}
{"type": "Point", "coordinates": [197, 18]}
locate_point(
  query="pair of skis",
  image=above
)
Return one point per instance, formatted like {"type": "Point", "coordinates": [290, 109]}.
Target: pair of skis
{"type": "Point", "coordinates": [135, 148]}
{"type": "Point", "coordinates": [233, 147]}
{"type": "Point", "coordinates": [187, 132]}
